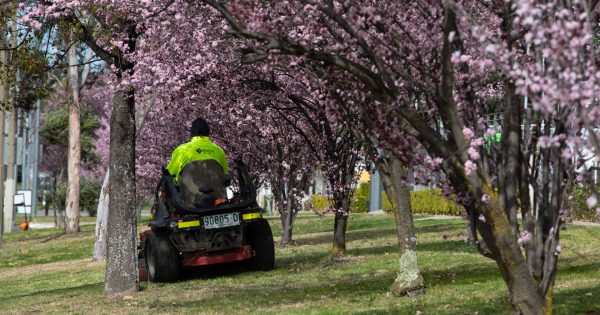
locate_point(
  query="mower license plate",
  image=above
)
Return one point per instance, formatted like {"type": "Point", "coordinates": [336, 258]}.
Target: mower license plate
{"type": "Point", "coordinates": [221, 220]}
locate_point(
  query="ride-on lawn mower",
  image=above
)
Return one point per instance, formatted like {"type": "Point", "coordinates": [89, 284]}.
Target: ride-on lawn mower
{"type": "Point", "coordinates": [195, 225]}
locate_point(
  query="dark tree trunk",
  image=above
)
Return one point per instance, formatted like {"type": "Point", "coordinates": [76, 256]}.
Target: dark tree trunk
{"type": "Point", "coordinates": [394, 175]}
{"type": "Point", "coordinates": [285, 205]}
{"type": "Point", "coordinates": [339, 235]}
{"type": "Point", "coordinates": [103, 205]}
{"type": "Point", "coordinates": [121, 263]}
{"type": "Point", "coordinates": [341, 201]}
{"type": "Point", "coordinates": [287, 224]}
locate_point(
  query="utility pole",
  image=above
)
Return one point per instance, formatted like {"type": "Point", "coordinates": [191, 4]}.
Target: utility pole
{"type": "Point", "coordinates": [375, 193]}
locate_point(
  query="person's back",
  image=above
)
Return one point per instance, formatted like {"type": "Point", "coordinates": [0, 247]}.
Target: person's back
{"type": "Point", "coordinates": [199, 148]}
{"type": "Point", "coordinates": [199, 167]}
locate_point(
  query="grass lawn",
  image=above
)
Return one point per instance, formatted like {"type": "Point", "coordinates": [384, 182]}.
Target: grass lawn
{"type": "Point", "coordinates": [46, 271]}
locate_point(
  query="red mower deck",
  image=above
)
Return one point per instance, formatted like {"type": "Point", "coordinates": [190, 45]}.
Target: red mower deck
{"type": "Point", "coordinates": [201, 259]}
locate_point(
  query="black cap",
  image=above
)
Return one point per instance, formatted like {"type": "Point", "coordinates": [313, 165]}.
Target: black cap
{"type": "Point", "coordinates": [200, 127]}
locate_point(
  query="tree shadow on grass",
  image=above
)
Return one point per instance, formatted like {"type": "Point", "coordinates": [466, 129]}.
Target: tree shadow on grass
{"type": "Point", "coordinates": [314, 259]}
{"type": "Point", "coordinates": [577, 301]}
{"type": "Point", "coordinates": [477, 273]}
{"type": "Point", "coordinates": [214, 271]}
{"type": "Point", "coordinates": [374, 250]}
{"type": "Point", "coordinates": [350, 236]}
{"type": "Point", "coordinates": [579, 268]}
{"type": "Point", "coordinates": [60, 291]}
{"type": "Point", "coordinates": [298, 262]}
{"type": "Point", "coordinates": [447, 246]}
{"type": "Point", "coordinates": [292, 292]}
{"type": "Point", "coordinates": [366, 291]}
{"type": "Point", "coordinates": [441, 227]}
{"type": "Point", "coordinates": [441, 246]}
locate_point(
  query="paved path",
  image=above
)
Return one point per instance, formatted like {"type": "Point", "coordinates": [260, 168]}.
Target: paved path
{"type": "Point", "coordinates": [42, 225]}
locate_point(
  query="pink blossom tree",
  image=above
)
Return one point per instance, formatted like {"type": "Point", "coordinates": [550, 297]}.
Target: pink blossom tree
{"type": "Point", "coordinates": [107, 30]}
{"type": "Point", "coordinates": [438, 68]}
{"type": "Point", "coordinates": [413, 72]}
{"type": "Point", "coordinates": [244, 127]}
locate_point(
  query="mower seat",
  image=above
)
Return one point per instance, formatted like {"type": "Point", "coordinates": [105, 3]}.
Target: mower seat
{"type": "Point", "coordinates": [201, 179]}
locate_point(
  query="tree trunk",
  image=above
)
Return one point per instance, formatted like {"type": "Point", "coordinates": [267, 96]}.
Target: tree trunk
{"type": "Point", "coordinates": [286, 229]}
{"type": "Point", "coordinates": [10, 184]}
{"type": "Point", "coordinates": [394, 175]}
{"type": "Point", "coordinates": [101, 220]}
{"type": "Point", "coordinates": [121, 261]}
{"type": "Point", "coordinates": [103, 200]}
{"type": "Point", "coordinates": [287, 221]}
{"type": "Point", "coordinates": [74, 159]}
{"type": "Point", "coordinates": [339, 235]}
{"type": "Point", "coordinates": [3, 99]}
{"type": "Point", "coordinates": [60, 219]}
{"type": "Point", "coordinates": [524, 291]}
{"type": "Point", "coordinates": [341, 200]}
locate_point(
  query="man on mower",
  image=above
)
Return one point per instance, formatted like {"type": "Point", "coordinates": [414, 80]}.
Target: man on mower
{"type": "Point", "coordinates": [199, 167]}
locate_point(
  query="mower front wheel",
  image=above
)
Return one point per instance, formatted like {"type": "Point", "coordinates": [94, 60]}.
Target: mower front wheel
{"type": "Point", "coordinates": [260, 239]}
{"type": "Point", "coordinates": [162, 259]}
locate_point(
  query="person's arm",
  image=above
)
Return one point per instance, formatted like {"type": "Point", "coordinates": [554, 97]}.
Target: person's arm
{"type": "Point", "coordinates": [224, 164]}
{"type": "Point", "coordinates": [176, 163]}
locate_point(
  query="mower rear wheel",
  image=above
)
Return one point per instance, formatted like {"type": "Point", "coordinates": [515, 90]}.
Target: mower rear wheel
{"type": "Point", "coordinates": [162, 259]}
{"type": "Point", "coordinates": [260, 238]}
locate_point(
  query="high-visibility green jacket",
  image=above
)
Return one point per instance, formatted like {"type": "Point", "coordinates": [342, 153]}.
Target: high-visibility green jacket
{"type": "Point", "coordinates": [199, 148]}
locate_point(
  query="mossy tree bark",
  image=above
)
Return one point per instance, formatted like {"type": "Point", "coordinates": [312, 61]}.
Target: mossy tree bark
{"type": "Point", "coordinates": [395, 177]}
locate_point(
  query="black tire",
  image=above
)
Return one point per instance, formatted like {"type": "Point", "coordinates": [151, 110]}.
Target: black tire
{"type": "Point", "coordinates": [162, 259]}
{"type": "Point", "coordinates": [259, 237]}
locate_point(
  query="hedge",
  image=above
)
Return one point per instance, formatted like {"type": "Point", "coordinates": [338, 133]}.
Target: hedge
{"type": "Point", "coordinates": [423, 202]}
{"type": "Point", "coordinates": [433, 202]}
{"type": "Point", "coordinates": [580, 210]}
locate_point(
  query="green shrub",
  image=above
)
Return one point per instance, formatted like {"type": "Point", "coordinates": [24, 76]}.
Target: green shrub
{"type": "Point", "coordinates": [430, 202]}
{"type": "Point", "coordinates": [580, 210]}
{"type": "Point", "coordinates": [89, 192]}
{"type": "Point", "coordinates": [318, 203]}
{"type": "Point", "coordinates": [433, 202]}
{"type": "Point", "coordinates": [360, 198]}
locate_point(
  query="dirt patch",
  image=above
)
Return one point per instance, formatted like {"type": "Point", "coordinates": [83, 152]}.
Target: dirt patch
{"type": "Point", "coordinates": [34, 270]}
